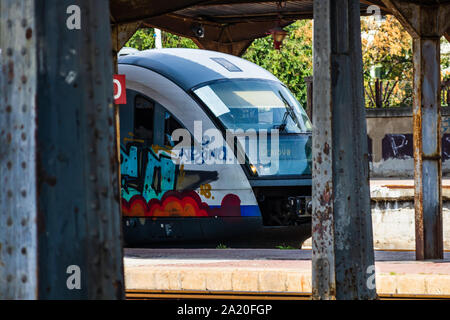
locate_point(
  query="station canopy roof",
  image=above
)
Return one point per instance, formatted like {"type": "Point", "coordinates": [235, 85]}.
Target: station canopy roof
{"type": "Point", "coordinates": [229, 25]}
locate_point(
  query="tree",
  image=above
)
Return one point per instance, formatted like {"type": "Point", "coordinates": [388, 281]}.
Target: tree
{"type": "Point", "coordinates": [292, 63]}
{"type": "Point", "coordinates": [387, 55]}
{"type": "Point", "coordinates": [386, 50]}
{"type": "Point", "coordinates": [144, 39]}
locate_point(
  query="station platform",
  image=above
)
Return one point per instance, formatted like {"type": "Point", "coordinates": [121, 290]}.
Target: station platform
{"type": "Point", "coordinates": [393, 214]}
{"type": "Point", "coordinates": [400, 189]}
{"type": "Point", "coordinates": [271, 270]}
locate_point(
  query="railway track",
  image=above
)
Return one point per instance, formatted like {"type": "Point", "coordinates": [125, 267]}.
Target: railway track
{"type": "Point", "coordinates": [229, 295]}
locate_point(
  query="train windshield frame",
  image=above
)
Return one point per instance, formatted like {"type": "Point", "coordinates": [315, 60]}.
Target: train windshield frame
{"type": "Point", "coordinates": [263, 105]}
{"type": "Point", "coordinates": [237, 103]}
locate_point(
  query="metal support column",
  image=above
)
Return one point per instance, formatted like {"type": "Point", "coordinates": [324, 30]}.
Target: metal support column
{"type": "Point", "coordinates": [79, 213]}
{"type": "Point", "coordinates": [18, 234]}
{"type": "Point", "coordinates": [62, 178]}
{"type": "Point", "coordinates": [427, 149]}
{"type": "Point", "coordinates": [426, 24]}
{"type": "Point", "coordinates": [343, 258]}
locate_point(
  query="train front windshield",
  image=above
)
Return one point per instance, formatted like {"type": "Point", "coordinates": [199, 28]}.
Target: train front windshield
{"type": "Point", "coordinates": [263, 106]}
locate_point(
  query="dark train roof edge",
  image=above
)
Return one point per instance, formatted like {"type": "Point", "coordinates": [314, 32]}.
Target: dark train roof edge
{"type": "Point", "coordinates": [191, 67]}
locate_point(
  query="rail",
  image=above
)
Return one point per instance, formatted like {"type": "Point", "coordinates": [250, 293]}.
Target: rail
{"type": "Point", "coordinates": [231, 295]}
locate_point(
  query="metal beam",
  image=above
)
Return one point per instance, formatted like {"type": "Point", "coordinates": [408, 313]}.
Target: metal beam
{"type": "Point", "coordinates": [78, 198]}
{"type": "Point", "coordinates": [404, 13]}
{"type": "Point", "coordinates": [428, 22]}
{"type": "Point", "coordinates": [234, 48]}
{"type": "Point", "coordinates": [18, 213]}
{"type": "Point", "coordinates": [427, 149]}
{"type": "Point", "coordinates": [121, 33]}
{"type": "Point", "coordinates": [427, 135]}
{"type": "Point", "coordinates": [221, 34]}
{"type": "Point", "coordinates": [342, 242]}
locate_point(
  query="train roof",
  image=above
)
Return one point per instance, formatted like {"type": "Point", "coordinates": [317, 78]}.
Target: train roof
{"type": "Point", "coordinates": [189, 68]}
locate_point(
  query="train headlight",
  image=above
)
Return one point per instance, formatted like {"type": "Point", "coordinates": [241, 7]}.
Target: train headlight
{"type": "Point", "coordinates": [309, 207]}
{"type": "Point", "coordinates": [253, 169]}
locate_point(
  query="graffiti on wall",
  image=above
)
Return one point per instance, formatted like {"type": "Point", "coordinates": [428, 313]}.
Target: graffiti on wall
{"type": "Point", "coordinates": [155, 186]}
{"type": "Point", "coordinates": [397, 146]}
{"type": "Point", "coordinates": [445, 125]}
{"type": "Point", "coordinates": [400, 146]}
{"type": "Point", "coordinates": [445, 147]}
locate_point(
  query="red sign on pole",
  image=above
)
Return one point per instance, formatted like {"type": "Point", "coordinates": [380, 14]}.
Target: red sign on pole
{"type": "Point", "coordinates": [120, 92]}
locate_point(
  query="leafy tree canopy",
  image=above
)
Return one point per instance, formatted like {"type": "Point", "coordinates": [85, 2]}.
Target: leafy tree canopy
{"type": "Point", "coordinates": [386, 50]}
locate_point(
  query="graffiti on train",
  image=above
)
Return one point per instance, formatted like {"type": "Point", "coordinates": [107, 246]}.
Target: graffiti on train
{"type": "Point", "coordinates": [153, 185]}
{"type": "Point", "coordinates": [183, 204]}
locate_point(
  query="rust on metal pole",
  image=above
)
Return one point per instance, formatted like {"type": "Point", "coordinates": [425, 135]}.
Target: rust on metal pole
{"type": "Point", "coordinates": [18, 212]}
{"type": "Point", "coordinates": [427, 137]}
{"type": "Point", "coordinates": [427, 149]}
{"type": "Point", "coordinates": [426, 23]}
{"type": "Point", "coordinates": [342, 256]}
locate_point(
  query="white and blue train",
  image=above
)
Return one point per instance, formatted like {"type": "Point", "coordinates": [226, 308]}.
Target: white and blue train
{"type": "Point", "coordinates": [212, 147]}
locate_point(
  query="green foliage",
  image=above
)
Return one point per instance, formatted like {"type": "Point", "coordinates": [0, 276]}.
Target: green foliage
{"type": "Point", "coordinates": [144, 39]}
{"type": "Point", "coordinates": [221, 246]}
{"type": "Point", "coordinates": [292, 63]}
{"type": "Point", "coordinates": [286, 247]}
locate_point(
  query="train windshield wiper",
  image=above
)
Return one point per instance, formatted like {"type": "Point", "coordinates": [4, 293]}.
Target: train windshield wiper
{"type": "Point", "coordinates": [289, 112]}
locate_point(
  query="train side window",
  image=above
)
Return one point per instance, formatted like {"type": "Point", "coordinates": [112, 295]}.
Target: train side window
{"type": "Point", "coordinates": [170, 125]}
{"type": "Point", "coordinates": [143, 119]}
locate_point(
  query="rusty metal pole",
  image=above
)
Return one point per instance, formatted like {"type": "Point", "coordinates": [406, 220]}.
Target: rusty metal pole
{"type": "Point", "coordinates": [62, 177]}
{"type": "Point", "coordinates": [18, 210]}
{"type": "Point", "coordinates": [426, 23]}
{"type": "Point", "coordinates": [343, 258]}
{"type": "Point", "coordinates": [427, 148]}
{"type": "Point", "coordinates": [79, 213]}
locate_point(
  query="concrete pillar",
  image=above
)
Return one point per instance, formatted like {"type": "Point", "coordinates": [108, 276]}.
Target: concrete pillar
{"type": "Point", "coordinates": [59, 192]}
{"type": "Point", "coordinates": [343, 258]}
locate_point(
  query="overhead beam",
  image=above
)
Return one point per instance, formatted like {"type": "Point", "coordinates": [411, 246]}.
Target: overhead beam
{"type": "Point", "coordinates": [234, 48]}
{"type": "Point", "coordinates": [122, 12]}
{"type": "Point", "coordinates": [141, 10]}
{"type": "Point", "coordinates": [121, 33]}
{"type": "Point", "coordinates": [404, 13]}
{"type": "Point", "coordinates": [222, 37]}
{"type": "Point", "coordinates": [342, 243]}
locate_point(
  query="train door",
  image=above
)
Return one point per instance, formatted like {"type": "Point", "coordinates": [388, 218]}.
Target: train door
{"type": "Point", "coordinates": [159, 198]}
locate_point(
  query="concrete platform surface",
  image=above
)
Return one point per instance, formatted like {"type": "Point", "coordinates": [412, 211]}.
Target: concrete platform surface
{"type": "Point", "coordinates": [400, 189]}
{"type": "Point", "coordinates": [271, 270]}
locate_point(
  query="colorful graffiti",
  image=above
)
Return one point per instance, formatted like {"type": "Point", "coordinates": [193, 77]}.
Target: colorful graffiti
{"type": "Point", "coordinates": [155, 186]}
{"type": "Point", "coordinates": [181, 204]}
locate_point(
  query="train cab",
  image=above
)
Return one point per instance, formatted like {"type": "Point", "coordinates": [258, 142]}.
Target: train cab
{"type": "Point", "coordinates": [212, 147]}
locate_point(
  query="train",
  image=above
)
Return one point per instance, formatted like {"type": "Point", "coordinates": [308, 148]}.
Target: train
{"type": "Point", "coordinates": [212, 147]}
